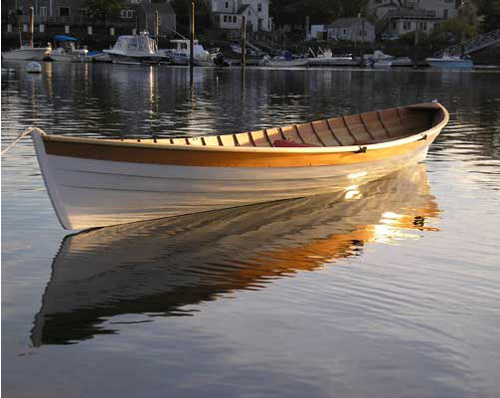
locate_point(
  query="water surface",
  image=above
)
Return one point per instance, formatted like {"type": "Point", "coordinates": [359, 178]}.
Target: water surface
{"type": "Point", "coordinates": [389, 291]}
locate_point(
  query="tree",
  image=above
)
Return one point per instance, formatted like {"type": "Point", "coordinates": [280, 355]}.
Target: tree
{"type": "Point", "coordinates": [102, 9]}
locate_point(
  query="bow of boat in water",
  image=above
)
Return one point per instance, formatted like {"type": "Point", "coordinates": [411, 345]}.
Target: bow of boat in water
{"type": "Point", "coordinates": [102, 182]}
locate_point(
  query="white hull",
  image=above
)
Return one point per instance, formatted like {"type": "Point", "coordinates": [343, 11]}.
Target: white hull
{"type": "Point", "coordinates": [66, 58]}
{"type": "Point", "coordinates": [96, 193]}
{"type": "Point", "coordinates": [450, 63]}
{"type": "Point", "coordinates": [133, 59]}
{"type": "Point", "coordinates": [26, 54]}
{"type": "Point", "coordinates": [294, 63]}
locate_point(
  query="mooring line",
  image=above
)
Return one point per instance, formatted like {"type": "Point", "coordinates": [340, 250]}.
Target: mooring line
{"type": "Point", "coordinates": [18, 138]}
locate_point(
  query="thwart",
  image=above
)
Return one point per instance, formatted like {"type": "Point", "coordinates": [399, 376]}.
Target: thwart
{"type": "Point", "coordinates": [102, 182]}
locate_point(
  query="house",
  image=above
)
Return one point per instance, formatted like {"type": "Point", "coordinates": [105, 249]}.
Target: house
{"type": "Point", "coordinates": [397, 17]}
{"type": "Point", "coordinates": [228, 14]}
{"type": "Point", "coordinates": [72, 16]}
{"type": "Point", "coordinates": [351, 29]}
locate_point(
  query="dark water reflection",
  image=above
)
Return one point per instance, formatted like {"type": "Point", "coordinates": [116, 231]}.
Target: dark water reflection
{"type": "Point", "coordinates": [158, 267]}
{"type": "Point", "coordinates": [403, 297]}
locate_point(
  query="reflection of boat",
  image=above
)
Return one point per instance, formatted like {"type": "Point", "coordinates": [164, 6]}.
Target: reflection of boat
{"type": "Point", "coordinates": [450, 62]}
{"type": "Point", "coordinates": [136, 49]}
{"type": "Point", "coordinates": [98, 56]}
{"type": "Point", "coordinates": [158, 267]}
{"type": "Point", "coordinates": [67, 50]}
{"type": "Point", "coordinates": [100, 182]}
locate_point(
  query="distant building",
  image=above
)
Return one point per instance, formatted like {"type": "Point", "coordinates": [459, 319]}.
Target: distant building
{"type": "Point", "coordinates": [228, 14]}
{"type": "Point", "coordinates": [72, 15]}
{"type": "Point", "coordinates": [351, 29]}
{"type": "Point", "coordinates": [397, 17]}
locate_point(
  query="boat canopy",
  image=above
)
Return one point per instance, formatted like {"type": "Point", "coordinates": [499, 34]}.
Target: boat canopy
{"type": "Point", "coordinates": [64, 38]}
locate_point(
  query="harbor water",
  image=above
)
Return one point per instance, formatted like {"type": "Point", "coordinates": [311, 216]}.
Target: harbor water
{"type": "Point", "coordinates": [387, 290]}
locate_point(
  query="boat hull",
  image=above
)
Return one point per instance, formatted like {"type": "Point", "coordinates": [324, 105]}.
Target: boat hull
{"type": "Point", "coordinates": [450, 64]}
{"type": "Point", "coordinates": [26, 54]}
{"type": "Point", "coordinates": [104, 182]}
{"type": "Point", "coordinates": [130, 59]}
{"type": "Point", "coordinates": [96, 193]}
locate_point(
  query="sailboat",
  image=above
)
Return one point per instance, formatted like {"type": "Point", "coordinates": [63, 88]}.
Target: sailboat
{"type": "Point", "coordinates": [28, 52]}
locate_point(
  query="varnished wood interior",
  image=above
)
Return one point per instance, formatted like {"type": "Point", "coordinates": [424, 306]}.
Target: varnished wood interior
{"type": "Point", "coordinates": [363, 129]}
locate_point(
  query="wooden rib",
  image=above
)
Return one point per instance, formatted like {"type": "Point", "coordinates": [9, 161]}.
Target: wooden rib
{"type": "Point", "coordinates": [366, 126]}
{"type": "Point", "coordinates": [220, 141]}
{"type": "Point", "coordinates": [203, 141]}
{"type": "Point", "coordinates": [236, 143]}
{"type": "Point", "coordinates": [171, 140]}
{"type": "Point", "coordinates": [316, 134]}
{"type": "Point", "coordinates": [267, 137]}
{"type": "Point", "coordinates": [282, 133]}
{"type": "Point", "coordinates": [400, 117]}
{"type": "Point", "coordinates": [298, 133]}
{"type": "Point", "coordinates": [333, 131]}
{"type": "Point", "coordinates": [383, 124]}
{"type": "Point", "coordinates": [349, 129]}
{"type": "Point", "coordinates": [187, 141]}
{"type": "Point", "coordinates": [251, 139]}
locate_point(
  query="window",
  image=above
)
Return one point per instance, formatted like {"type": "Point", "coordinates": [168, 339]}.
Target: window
{"type": "Point", "coordinates": [225, 18]}
{"type": "Point", "coordinates": [259, 7]}
{"type": "Point", "coordinates": [424, 25]}
{"type": "Point", "coordinates": [227, 4]}
{"type": "Point", "coordinates": [43, 11]}
{"type": "Point", "coordinates": [445, 13]}
{"type": "Point", "coordinates": [406, 25]}
{"type": "Point", "coordinates": [127, 13]}
{"type": "Point", "coordinates": [64, 12]}
{"type": "Point", "coordinates": [234, 19]}
{"type": "Point", "coordinates": [135, 1]}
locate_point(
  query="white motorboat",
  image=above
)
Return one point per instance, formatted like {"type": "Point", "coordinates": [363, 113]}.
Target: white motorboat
{"type": "Point", "coordinates": [284, 62]}
{"type": "Point", "coordinates": [326, 58]}
{"type": "Point", "coordinates": [180, 53]}
{"type": "Point", "coordinates": [450, 62]}
{"type": "Point", "coordinates": [67, 50]}
{"type": "Point", "coordinates": [135, 49]}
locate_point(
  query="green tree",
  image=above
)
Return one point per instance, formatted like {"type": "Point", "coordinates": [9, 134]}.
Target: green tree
{"type": "Point", "coordinates": [102, 9]}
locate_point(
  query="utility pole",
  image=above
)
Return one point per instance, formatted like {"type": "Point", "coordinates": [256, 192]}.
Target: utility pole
{"type": "Point", "coordinates": [32, 25]}
{"type": "Point", "coordinates": [415, 44]}
{"type": "Point", "coordinates": [157, 29]}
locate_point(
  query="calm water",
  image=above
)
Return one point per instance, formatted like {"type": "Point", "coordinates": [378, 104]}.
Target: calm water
{"type": "Point", "coordinates": [391, 291]}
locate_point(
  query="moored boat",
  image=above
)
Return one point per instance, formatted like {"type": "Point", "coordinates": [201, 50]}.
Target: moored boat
{"type": "Point", "coordinates": [67, 50]}
{"type": "Point", "coordinates": [135, 49]}
{"type": "Point", "coordinates": [450, 62]}
{"type": "Point", "coordinates": [101, 182]}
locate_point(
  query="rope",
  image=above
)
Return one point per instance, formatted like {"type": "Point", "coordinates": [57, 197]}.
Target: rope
{"type": "Point", "coordinates": [18, 138]}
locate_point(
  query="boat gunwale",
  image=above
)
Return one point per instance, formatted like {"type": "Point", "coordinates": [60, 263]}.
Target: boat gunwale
{"type": "Point", "coordinates": [253, 149]}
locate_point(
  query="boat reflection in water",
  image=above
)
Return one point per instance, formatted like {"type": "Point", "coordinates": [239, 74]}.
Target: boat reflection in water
{"type": "Point", "coordinates": [157, 267]}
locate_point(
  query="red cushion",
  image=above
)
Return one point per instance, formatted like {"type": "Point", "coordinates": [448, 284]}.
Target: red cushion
{"type": "Point", "coordinates": [286, 143]}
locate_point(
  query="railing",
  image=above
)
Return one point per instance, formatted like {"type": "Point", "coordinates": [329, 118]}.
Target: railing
{"type": "Point", "coordinates": [78, 20]}
{"type": "Point", "coordinates": [473, 45]}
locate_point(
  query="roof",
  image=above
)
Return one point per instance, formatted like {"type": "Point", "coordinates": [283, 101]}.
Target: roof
{"type": "Point", "coordinates": [242, 9]}
{"type": "Point", "coordinates": [346, 22]}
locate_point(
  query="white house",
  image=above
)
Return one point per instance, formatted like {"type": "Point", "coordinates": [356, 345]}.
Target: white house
{"type": "Point", "coordinates": [439, 9]}
{"type": "Point", "coordinates": [228, 14]}
{"type": "Point", "coordinates": [351, 29]}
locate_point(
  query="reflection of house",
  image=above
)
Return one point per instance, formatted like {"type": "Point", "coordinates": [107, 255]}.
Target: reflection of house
{"type": "Point", "coordinates": [351, 29]}
{"type": "Point", "coordinates": [73, 14]}
{"type": "Point", "coordinates": [403, 16]}
{"type": "Point", "coordinates": [228, 14]}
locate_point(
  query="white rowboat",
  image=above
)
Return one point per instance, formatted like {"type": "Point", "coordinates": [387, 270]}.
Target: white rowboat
{"type": "Point", "coordinates": [103, 182]}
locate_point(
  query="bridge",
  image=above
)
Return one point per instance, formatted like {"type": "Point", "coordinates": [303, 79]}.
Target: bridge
{"type": "Point", "coordinates": [477, 43]}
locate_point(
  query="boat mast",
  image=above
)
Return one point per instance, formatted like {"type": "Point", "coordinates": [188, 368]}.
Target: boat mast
{"type": "Point", "coordinates": [32, 26]}
{"type": "Point", "coordinates": [463, 5]}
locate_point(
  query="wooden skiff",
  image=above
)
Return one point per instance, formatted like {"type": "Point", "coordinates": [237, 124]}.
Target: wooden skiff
{"type": "Point", "coordinates": [102, 182]}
